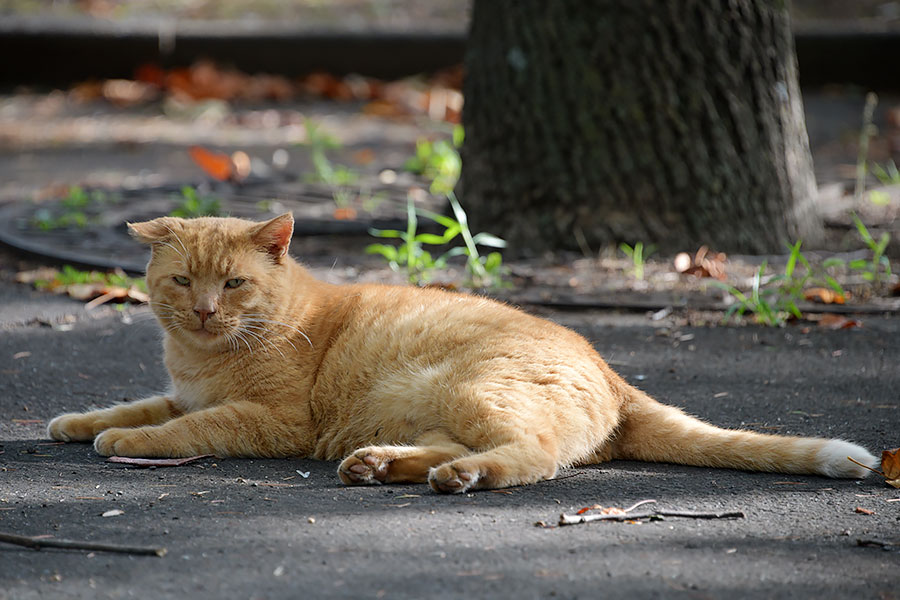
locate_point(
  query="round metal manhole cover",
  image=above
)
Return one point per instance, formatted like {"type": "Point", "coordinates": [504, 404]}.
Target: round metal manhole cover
{"type": "Point", "coordinates": [88, 227]}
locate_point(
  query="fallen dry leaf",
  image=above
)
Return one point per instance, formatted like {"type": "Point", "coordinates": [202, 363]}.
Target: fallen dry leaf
{"type": "Point", "coordinates": [608, 510]}
{"type": "Point", "coordinates": [702, 264]}
{"type": "Point", "coordinates": [215, 164]}
{"type": "Point", "coordinates": [863, 511]}
{"type": "Point", "coordinates": [364, 156]}
{"type": "Point", "coordinates": [39, 274]}
{"type": "Point", "coordinates": [126, 92]}
{"type": "Point", "coordinates": [384, 108]}
{"type": "Point", "coordinates": [824, 295]}
{"type": "Point", "coordinates": [439, 97]}
{"type": "Point", "coordinates": [344, 213]}
{"type": "Point", "coordinates": [890, 465]}
{"type": "Point", "coordinates": [581, 511]}
{"type": "Point", "coordinates": [832, 321]}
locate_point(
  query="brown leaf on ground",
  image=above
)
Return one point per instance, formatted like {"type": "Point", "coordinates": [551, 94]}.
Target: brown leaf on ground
{"type": "Point", "coordinates": [824, 295]}
{"type": "Point", "coordinates": [890, 464]}
{"type": "Point", "coordinates": [326, 85]}
{"type": "Point", "coordinates": [215, 164]}
{"type": "Point", "coordinates": [702, 264]}
{"type": "Point", "coordinates": [364, 156]}
{"type": "Point", "coordinates": [581, 511]}
{"type": "Point", "coordinates": [344, 213]}
{"type": "Point", "coordinates": [151, 73]}
{"type": "Point", "coordinates": [125, 92]}
{"type": "Point", "coordinates": [384, 108]}
{"type": "Point", "coordinates": [831, 321]}
{"type": "Point", "coordinates": [39, 274]}
{"type": "Point", "coordinates": [608, 510]}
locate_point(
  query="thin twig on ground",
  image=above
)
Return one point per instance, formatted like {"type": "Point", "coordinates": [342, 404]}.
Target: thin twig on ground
{"type": "Point", "coordinates": [39, 543]}
{"type": "Point", "coordinates": [577, 519]}
{"type": "Point", "coordinates": [156, 462]}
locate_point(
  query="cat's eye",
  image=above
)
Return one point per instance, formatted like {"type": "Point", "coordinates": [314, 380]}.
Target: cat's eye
{"type": "Point", "coordinates": [181, 280]}
{"type": "Point", "coordinates": [233, 283]}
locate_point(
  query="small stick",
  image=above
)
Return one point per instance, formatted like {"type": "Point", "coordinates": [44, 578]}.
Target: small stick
{"type": "Point", "coordinates": [156, 462]}
{"type": "Point", "coordinates": [38, 543]}
{"type": "Point", "coordinates": [576, 519]}
{"type": "Point", "coordinates": [866, 467]}
{"type": "Point", "coordinates": [642, 502]}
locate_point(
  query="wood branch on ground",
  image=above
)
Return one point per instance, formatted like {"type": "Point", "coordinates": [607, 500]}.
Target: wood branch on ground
{"type": "Point", "coordinates": [37, 543]}
{"type": "Point", "coordinates": [156, 462]}
{"type": "Point", "coordinates": [615, 514]}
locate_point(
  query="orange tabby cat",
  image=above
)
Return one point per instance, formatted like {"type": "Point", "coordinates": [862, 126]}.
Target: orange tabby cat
{"type": "Point", "coordinates": [404, 384]}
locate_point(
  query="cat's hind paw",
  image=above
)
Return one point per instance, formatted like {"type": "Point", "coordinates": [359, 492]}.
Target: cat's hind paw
{"type": "Point", "coordinates": [448, 479]}
{"type": "Point", "coordinates": [366, 466]}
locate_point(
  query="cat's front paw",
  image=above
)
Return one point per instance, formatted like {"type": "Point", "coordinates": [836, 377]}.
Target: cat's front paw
{"type": "Point", "coordinates": [120, 441]}
{"type": "Point", "coordinates": [366, 466]}
{"type": "Point", "coordinates": [450, 479]}
{"type": "Point", "coordinates": [75, 427]}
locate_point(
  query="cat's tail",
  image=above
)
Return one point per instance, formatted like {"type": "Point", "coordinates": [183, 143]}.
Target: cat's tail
{"type": "Point", "coordinates": [655, 432]}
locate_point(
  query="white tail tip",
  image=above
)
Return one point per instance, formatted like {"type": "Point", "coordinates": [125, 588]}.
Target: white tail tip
{"type": "Point", "coordinates": [833, 462]}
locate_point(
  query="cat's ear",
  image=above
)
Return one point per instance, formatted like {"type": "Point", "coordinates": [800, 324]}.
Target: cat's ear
{"type": "Point", "coordinates": [156, 230]}
{"type": "Point", "coordinates": [274, 236]}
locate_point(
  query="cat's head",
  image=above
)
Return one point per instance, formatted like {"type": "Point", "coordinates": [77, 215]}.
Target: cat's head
{"type": "Point", "coordinates": [215, 282]}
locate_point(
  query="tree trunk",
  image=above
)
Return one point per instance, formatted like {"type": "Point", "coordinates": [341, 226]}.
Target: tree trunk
{"type": "Point", "coordinates": [673, 122]}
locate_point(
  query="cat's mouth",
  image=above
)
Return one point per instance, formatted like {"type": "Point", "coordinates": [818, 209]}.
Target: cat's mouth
{"type": "Point", "coordinates": [204, 333]}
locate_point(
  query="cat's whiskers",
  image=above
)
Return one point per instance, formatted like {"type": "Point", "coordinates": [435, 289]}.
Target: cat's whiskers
{"type": "Point", "coordinates": [264, 329]}
{"type": "Point", "coordinates": [254, 318]}
{"type": "Point", "coordinates": [174, 249]}
{"type": "Point", "coordinates": [263, 341]}
{"type": "Point", "coordinates": [233, 338]}
{"type": "Point", "coordinates": [186, 254]}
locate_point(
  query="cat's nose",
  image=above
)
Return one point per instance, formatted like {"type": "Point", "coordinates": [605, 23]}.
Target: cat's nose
{"type": "Point", "coordinates": [204, 314]}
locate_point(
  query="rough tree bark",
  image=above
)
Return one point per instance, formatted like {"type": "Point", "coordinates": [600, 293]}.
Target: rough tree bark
{"type": "Point", "coordinates": [674, 122]}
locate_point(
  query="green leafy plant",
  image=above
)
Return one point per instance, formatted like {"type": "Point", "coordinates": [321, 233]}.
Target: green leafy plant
{"type": "Point", "coordinates": [410, 256]}
{"type": "Point", "coordinates": [760, 301]}
{"type": "Point", "coordinates": [438, 161]}
{"type": "Point", "coordinates": [887, 175]}
{"type": "Point", "coordinates": [69, 275]}
{"type": "Point", "coordinates": [325, 171]}
{"type": "Point", "coordinates": [775, 299]}
{"type": "Point", "coordinates": [419, 264]}
{"type": "Point", "coordinates": [192, 204]}
{"type": "Point", "coordinates": [638, 255]}
{"type": "Point", "coordinates": [484, 271]}
{"type": "Point", "coordinates": [74, 209]}
{"type": "Point", "coordinates": [876, 269]}
{"type": "Point", "coordinates": [330, 173]}
{"type": "Point", "coordinates": [318, 140]}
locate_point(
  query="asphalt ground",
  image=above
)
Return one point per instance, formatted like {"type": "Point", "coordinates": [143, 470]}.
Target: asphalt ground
{"type": "Point", "coordinates": [239, 528]}
{"type": "Point", "coordinates": [288, 528]}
